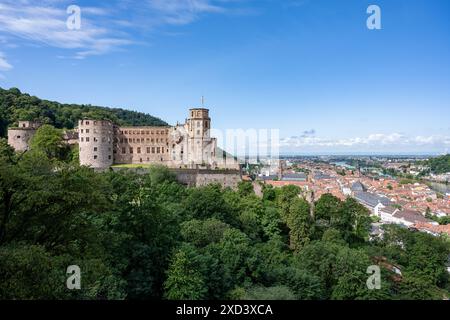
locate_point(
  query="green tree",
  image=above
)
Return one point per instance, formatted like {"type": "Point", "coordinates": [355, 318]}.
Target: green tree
{"type": "Point", "coordinates": [245, 188]}
{"type": "Point", "coordinates": [183, 281]}
{"type": "Point", "coordinates": [203, 232]}
{"type": "Point", "coordinates": [49, 140]}
{"type": "Point", "coordinates": [300, 224]}
{"type": "Point", "coordinates": [268, 293]}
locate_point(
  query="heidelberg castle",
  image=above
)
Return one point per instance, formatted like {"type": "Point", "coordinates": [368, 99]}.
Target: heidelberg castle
{"type": "Point", "coordinates": [103, 144]}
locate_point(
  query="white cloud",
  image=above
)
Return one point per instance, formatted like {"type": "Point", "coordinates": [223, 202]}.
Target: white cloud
{"type": "Point", "coordinates": [184, 11]}
{"type": "Point", "coordinates": [377, 141]}
{"type": "Point", "coordinates": [47, 25]}
{"type": "Point", "coordinates": [44, 22]}
{"type": "Point", "coordinates": [4, 65]}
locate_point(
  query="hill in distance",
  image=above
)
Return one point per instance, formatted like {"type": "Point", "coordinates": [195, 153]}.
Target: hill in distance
{"type": "Point", "coordinates": [15, 106]}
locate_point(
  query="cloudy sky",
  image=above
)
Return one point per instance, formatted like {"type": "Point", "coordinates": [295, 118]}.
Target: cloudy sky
{"type": "Point", "coordinates": [311, 69]}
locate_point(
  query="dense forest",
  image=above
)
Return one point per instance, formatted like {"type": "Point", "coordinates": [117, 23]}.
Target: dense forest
{"type": "Point", "coordinates": [15, 106]}
{"type": "Point", "coordinates": [440, 164]}
{"type": "Point", "coordinates": [145, 236]}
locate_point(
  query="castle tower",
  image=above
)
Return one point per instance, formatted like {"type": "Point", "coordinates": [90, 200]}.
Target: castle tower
{"type": "Point", "coordinates": [199, 141]}
{"type": "Point", "coordinates": [96, 143]}
{"type": "Point", "coordinates": [20, 136]}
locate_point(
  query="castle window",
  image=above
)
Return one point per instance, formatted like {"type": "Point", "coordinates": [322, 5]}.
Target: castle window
{"type": "Point", "coordinates": [148, 149]}
{"type": "Point", "coordinates": [158, 150]}
{"type": "Point", "coordinates": [95, 157]}
{"type": "Point", "coordinates": [82, 139]}
{"type": "Point", "coordinates": [140, 160]}
{"type": "Point", "coordinates": [153, 140]}
{"type": "Point", "coordinates": [87, 139]}
{"type": "Point", "coordinates": [95, 148]}
{"type": "Point", "coordinates": [138, 150]}
{"type": "Point", "coordinates": [126, 132]}
{"type": "Point", "coordinates": [153, 149]}
{"type": "Point", "coordinates": [123, 150]}
{"type": "Point", "coordinates": [87, 130]}
{"type": "Point", "coordinates": [162, 150]}
{"type": "Point", "coordinates": [109, 157]}
{"type": "Point", "coordinates": [131, 150]}
{"type": "Point", "coordinates": [87, 123]}
{"type": "Point", "coordinates": [81, 130]}
{"type": "Point", "coordinates": [18, 137]}
{"type": "Point", "coordinates": [148, 132]}
{"type": "Point", "coordinates": [95, 139]}
{"type": "Point", "coordinates": [148, 139]}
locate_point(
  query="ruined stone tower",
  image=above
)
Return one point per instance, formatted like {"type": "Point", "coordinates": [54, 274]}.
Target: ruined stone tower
{"type": "Point", "coordinates": [96, 143]}
{"type": "Point", "coordinates": [19, 137]}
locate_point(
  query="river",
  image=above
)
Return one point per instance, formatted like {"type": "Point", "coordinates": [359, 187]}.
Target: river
{"type": "Point", "coordinates": [439, 187]}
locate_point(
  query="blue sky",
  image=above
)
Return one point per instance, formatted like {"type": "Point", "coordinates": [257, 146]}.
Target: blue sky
{"type": "Point", "coordinates": [310, 68]}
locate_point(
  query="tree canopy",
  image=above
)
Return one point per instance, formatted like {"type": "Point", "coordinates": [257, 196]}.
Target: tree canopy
{"type": "Point", "coordinates": [145, 236]}
{"type": "Point", "coordinates": [15, 106]}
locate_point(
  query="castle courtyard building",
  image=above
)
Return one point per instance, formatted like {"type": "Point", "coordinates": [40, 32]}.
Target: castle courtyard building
{"type": "Point", "coordinates": [187, 149]}
{"type": "Point", "coordinates": [189, 145]}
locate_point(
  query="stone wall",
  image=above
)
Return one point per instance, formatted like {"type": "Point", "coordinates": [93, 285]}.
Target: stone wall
{"type": "Point", "coordinates": [199, 177]}
{"type": "Point", "coordinates": [19, 138]}
{"type": "Point", "coordinates": [134, 145]}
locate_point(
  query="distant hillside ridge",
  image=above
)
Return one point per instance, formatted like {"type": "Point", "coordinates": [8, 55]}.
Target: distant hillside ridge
{"type": "Point", "coordinates": [15, 106]}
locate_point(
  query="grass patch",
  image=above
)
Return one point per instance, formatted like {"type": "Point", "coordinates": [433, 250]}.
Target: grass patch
{"type": "Point", "coordinates": [133, 165]}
